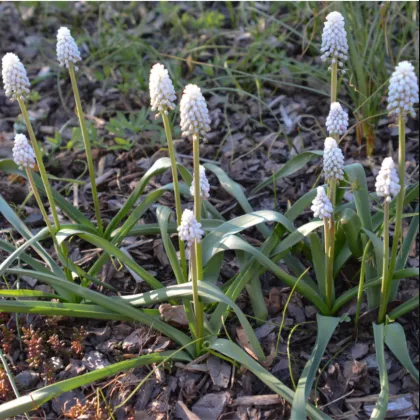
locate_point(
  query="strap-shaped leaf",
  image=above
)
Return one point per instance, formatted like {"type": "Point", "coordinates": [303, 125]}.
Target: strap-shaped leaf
{"type": "Point", "coordinates": [381, 406]}
{"type": "Point", "coordinates": [396, 341]}
{"type": "Point", "coordinates": [326, 328]}
{"type": "Point", "coordinates": [234, 352]}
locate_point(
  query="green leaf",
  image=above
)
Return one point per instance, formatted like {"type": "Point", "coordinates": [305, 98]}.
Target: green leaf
{"type": "Point", "coordinates": [351, 225]}
{"type": "Point", "coordinates": [27, 293]}
{"type": "Point", "coordinates": [234, 352]}
{"type": "Point", "coordinates": [396, 341]}
{"type": "Point", "coordinates": [205, 290]}
{"type": "Point", "coordinates": [163, 214]}
{"type": "Point", "coordinates": [378, 246]}
{"type": "Point", "coordinates": [381, 406]}
{"type": "Point", "coordinates": [404, 308]}
{"type": "Point", "coordinates": [318, 260]}
{"type": "Point", "coordinates": [239, 224]}
{"type": "Point", "coordinates": [236, 243]}
{"type": "Point", "coordinates": [117, 305]}
{"type": "Point", "coordinates": [102, 243]}
{"type": "Point", "coordinates": [235, 190]}
{"type": "Point", "coordinates": [292, 166]}
{"type": "Point", "coordinates": [160, 166]}
{"type": "Point", "coordinates": [326, 328]}
{"type": "Point", "coordinates": [40, 396]}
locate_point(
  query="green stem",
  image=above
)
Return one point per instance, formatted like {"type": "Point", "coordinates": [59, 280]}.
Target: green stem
{"type": "Point", "coordinates": [197, 261]}
{"type": "Point", "coordinates": [177, 194]}
{"type": "Point", "coordinates": [386, 279]}
{"type": "Point", "coordinates": [361, 287]}
{"type": "Point", "coordinates": [334, 71]}
{"type": "Point", "coordinates": [39, 162]}
{"type": "Point", "coordinates": [88, 150]}
{"type": "Point", "coordinates": [400, 198]}
{"type": "Point", "coordinates": [330, 234]}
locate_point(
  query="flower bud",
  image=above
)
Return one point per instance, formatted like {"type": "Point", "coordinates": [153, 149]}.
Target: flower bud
{"type": "Point", "coordinates": [321, 206]}
{"type": "Point", "coordinates": [15, 80]}
{"type": "Point", "coordinates": [204, 184]}
{"type": "Point", "coordinates": [337, 120]}
{"type": "Point", "coordinates": [162, 92]}
{"type": "Point", "coordinates": [67, 49]}
{"type": "Point", "coordinates": [333, 160]}
{"type": "Point", "coordinates": [334, 39]}
{"type": "Point", "coordinates": [195, 120]}
{"type": "Point", "coordinates": [189, 230]}
{"type": "Point", "coordinates": [23, 154]}
{"type": "Point", "coordinates": [387, 182]}
{"type": "Point", "coordinates": [403, 91]}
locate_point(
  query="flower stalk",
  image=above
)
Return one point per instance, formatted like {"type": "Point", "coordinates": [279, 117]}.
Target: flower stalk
{"type": "Point", "coordinates": [177, 194]}
{"type": "Point", "coordinates": [386, 280]}
{"type": "Point", "coordinates": [86, 142]}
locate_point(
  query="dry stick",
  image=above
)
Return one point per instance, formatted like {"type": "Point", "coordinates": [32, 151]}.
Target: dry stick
{"type": "Point", "coordinates": [386, 279]}
{"type": "Point", "coordinates": [88, 150]}
{"type": "Point", "coordinates": [177, 194]}
{"type": "Point", "coordinates": [197, 263]}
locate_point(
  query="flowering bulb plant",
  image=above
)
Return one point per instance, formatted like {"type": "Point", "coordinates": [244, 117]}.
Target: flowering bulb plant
{"type": "Point", "coordinates": [196, 236]}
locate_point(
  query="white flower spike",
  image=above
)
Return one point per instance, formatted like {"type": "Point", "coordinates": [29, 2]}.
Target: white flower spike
{"type": "Point", "coordinates": [321, 206]}
{"type": "Point", "coordinates": [204, 184]}
{"type": "Point", "coordinates": [190, 230]}
{"type": "Point", "coordinates": [23, 154]}
{"type": "Point", "coordinates": [334, 39]}
{"type": "Point", "coordinates": [387, 182]}
{"type": "Point", "coordinates": [403, 90]}
{"type": "Point", "coordinates": [333, 160]}
{"type": "Point", "coordinates": [15, 80]}
{"type": "Point", "coordinates": [195, 120]}
{"type": "Point", "coordinates": [337, 120]}
{"type": "Point", "coordinates": [162, 92]}
{"type": "Point", "coordinates": [67, 49]}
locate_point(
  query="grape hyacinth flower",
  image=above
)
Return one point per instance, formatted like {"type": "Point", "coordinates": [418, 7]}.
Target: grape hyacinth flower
{"type": "Point", "coordinates": [15, 80]}
{"type": "Point", "coordinates": [190, 230]}
{"type": "Point", "coordinates": [195, 120]}
{"type": "Point", "coordinates": [162, 92]}
{"type": "Point", "coordinates": [67, 49]}
{"type": "Point", "coordinates": [23, 154]}
{"type": "Point", "coordinates": [204, 184]}
{"type": "Point", "coordinates": [321, 206]}
{"type": "Point", "coordinates": [333, 160]}
{"type": "Point", "coordinates": [387, 182]}
{"type": "Point", "coordinates": [403, 90]}
{"type": "Point", "coordinates": [337, 120]}
{"type": "Point", "coordinates": [334, 39]}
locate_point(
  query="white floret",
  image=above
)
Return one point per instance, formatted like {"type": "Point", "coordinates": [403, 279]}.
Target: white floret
{"type": "Point", "coordinates": [190, 230]}
{"type": "Point", "coordinates": [403, 90]}
{"type": "Point", "coordinates": [334, 39]}
{"type": "Point", "coordinates": [337, 120]}
{"type": "Point", "coordinates": [195, 120]}
{"type": "Point", "coordinates": [321, 206]}
{"type": "Point", "coordinates": [204, 184]}
{"type": "Point", "coordinates": [15, 80]}
{"type": "Point", "coordinates": [333, 160]}
{"type": "Point", "coordinates": [162, 92]}
{"type": "Point", "coordinates": [67, 49]}
{"type": "Point", "coordinates": [23, 154]}
{"type": "Point", "coordinates": [387, 182]}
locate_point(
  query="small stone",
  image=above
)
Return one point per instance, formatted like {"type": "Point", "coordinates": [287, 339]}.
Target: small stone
{"type": "Point", "coordinates": [210, 406]}
{"type": "Point", "coordinates": [26, 379]}
{"type": "Point", "coordinates": [95, 360]}
{"type": "Point", "coordinates": [219, 371]}
{"type": "Point", "coordinates": [64, 402]}
{"type": "Point", "coordinates": [131, 343]}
